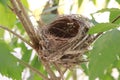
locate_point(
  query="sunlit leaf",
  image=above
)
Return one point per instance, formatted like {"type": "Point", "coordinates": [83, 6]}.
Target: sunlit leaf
{"type": "Point", "coordinates": [105, 3]}
{"type": "Point", "coordinates": [7, 18]}
{"type": "Point", "coordinates": [94, 1]}
{"type": "Point", "coordinates": [8, 63]}
{"type": "Point", "coordinates": [104, 53]}
{"type": "Point", "coordinates": [25, 3]}
{"type": "Point", "coordinates": [79, 2]}
{"type": "Point", "coordinates": [102, 27]}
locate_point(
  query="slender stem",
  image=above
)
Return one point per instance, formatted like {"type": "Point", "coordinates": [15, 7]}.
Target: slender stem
{"type": "Point", "coordinates": [33, 69]}
{"type": "Point", "coordinates": [23, 16]}
{"type": "Point", "coordinates": [17, 35]}
{"type": "Point", "coordinates": [59, 70]}
{"type": "Point", "coordinates": [74, 74]}
{"type": "Point", "coordinates": [49, 70]}
{"type": "Point", "coordinates": [114, 20]}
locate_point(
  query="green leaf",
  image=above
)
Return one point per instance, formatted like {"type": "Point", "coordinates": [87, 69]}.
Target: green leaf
{"type": "Point", "coordinates": [85, 68]}
{"type": "Point", "coordinates": [79, 2]}
{"type": "Point", "coordinates": [7, 18]}
{"type": "Point", "coordinates": [25, 3]}
{"type": "Point", "coordinates": [38, 65]}
{"type": "Point", "coordinates": [20, 27]}
{"type": "Point", "coordinates": [1, 33]}
{"type": "Point", "coordinates": [26, 53]}
{"type": "Point", "coordinates": [94, 1]}
{"type": "Point", "coordinates": [113, 15]}
{"type": "Point", "coordinates": [102, 27]}
{"type": "Point", "coordinates": [107, 9]}
{"type": "Point", "coordinates": [117, 64]}
{"type": "Point", "coordinates": [114, 12]}
{"type": "Point", "coordinates": [104, 53]}
{"type": "Point", "coordinates": [118, 1]}
{"type": "Point", "coordinates": [8, 63]}
{"type": "Point", "coordinates": [4, 2]}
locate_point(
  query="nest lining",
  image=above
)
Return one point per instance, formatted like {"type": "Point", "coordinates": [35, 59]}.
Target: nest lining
{"type": "Point", "coordinates": [65, 40]}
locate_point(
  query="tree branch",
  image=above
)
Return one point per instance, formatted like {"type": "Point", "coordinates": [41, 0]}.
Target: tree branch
{"type": "Point", "coordinates": [17, 35]}
{"type": "Point", "coordinates": [23, 16]}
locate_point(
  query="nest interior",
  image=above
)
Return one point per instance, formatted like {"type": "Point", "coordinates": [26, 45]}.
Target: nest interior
{"type": "Point", "coordinates": [65, 40]}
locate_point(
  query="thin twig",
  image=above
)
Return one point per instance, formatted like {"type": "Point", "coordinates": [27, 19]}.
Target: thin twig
{"type": "Point", "coordinates": [59, 70]}
{"type": "Point", "coordinates": [26, 16]}
{"type": "Point", "coordinates": [22, 15]}
{"type": "Point", "coordinates": [74, 76]}
{"type": "Point", "coordinates": [17, 35]}
{"type": "Point", "coordinates": [49, 70]}
{"type": "Point", "coordinates": [80, 42]}
{"type": "Point", "coordinates": [99, 34]}
{"type": "Point", "coordinates": [64, 70]}
{"type": "Point", "coordinates": [33, 69]}
{"type": "Point", "coordinates": [114, 20]}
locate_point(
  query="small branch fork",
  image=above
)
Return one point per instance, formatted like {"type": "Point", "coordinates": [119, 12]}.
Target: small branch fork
{"type": "Point", "coordinates": [19, 10]}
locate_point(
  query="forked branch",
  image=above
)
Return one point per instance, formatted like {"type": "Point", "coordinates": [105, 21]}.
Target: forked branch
{"type": "Point", "coordinates": [20, 11]}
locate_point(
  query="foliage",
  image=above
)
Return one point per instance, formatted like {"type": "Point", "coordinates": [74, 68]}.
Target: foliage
{"type": "Point", "coordinates": [104, 56]}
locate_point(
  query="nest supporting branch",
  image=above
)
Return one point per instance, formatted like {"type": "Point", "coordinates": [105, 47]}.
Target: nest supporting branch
{"type": "Point", "coordinates": [23, 16]}
{"type": "Point", "coordinates": [62, 42]}
{"type": "Point", "coordinates": [19, 10]}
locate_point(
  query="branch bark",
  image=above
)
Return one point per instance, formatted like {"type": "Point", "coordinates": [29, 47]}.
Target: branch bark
{"type": "Point", "coordinates": [23, 16]}
{"type": "Point", "coordinates": [19, 10]}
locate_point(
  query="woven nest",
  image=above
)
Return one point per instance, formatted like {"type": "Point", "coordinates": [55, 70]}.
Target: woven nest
{"type": "Point", "coordinates": [65, 40]}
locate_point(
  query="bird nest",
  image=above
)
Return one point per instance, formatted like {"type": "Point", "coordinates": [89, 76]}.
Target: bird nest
{"type": "Point", "coordinates": [65, 40]}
